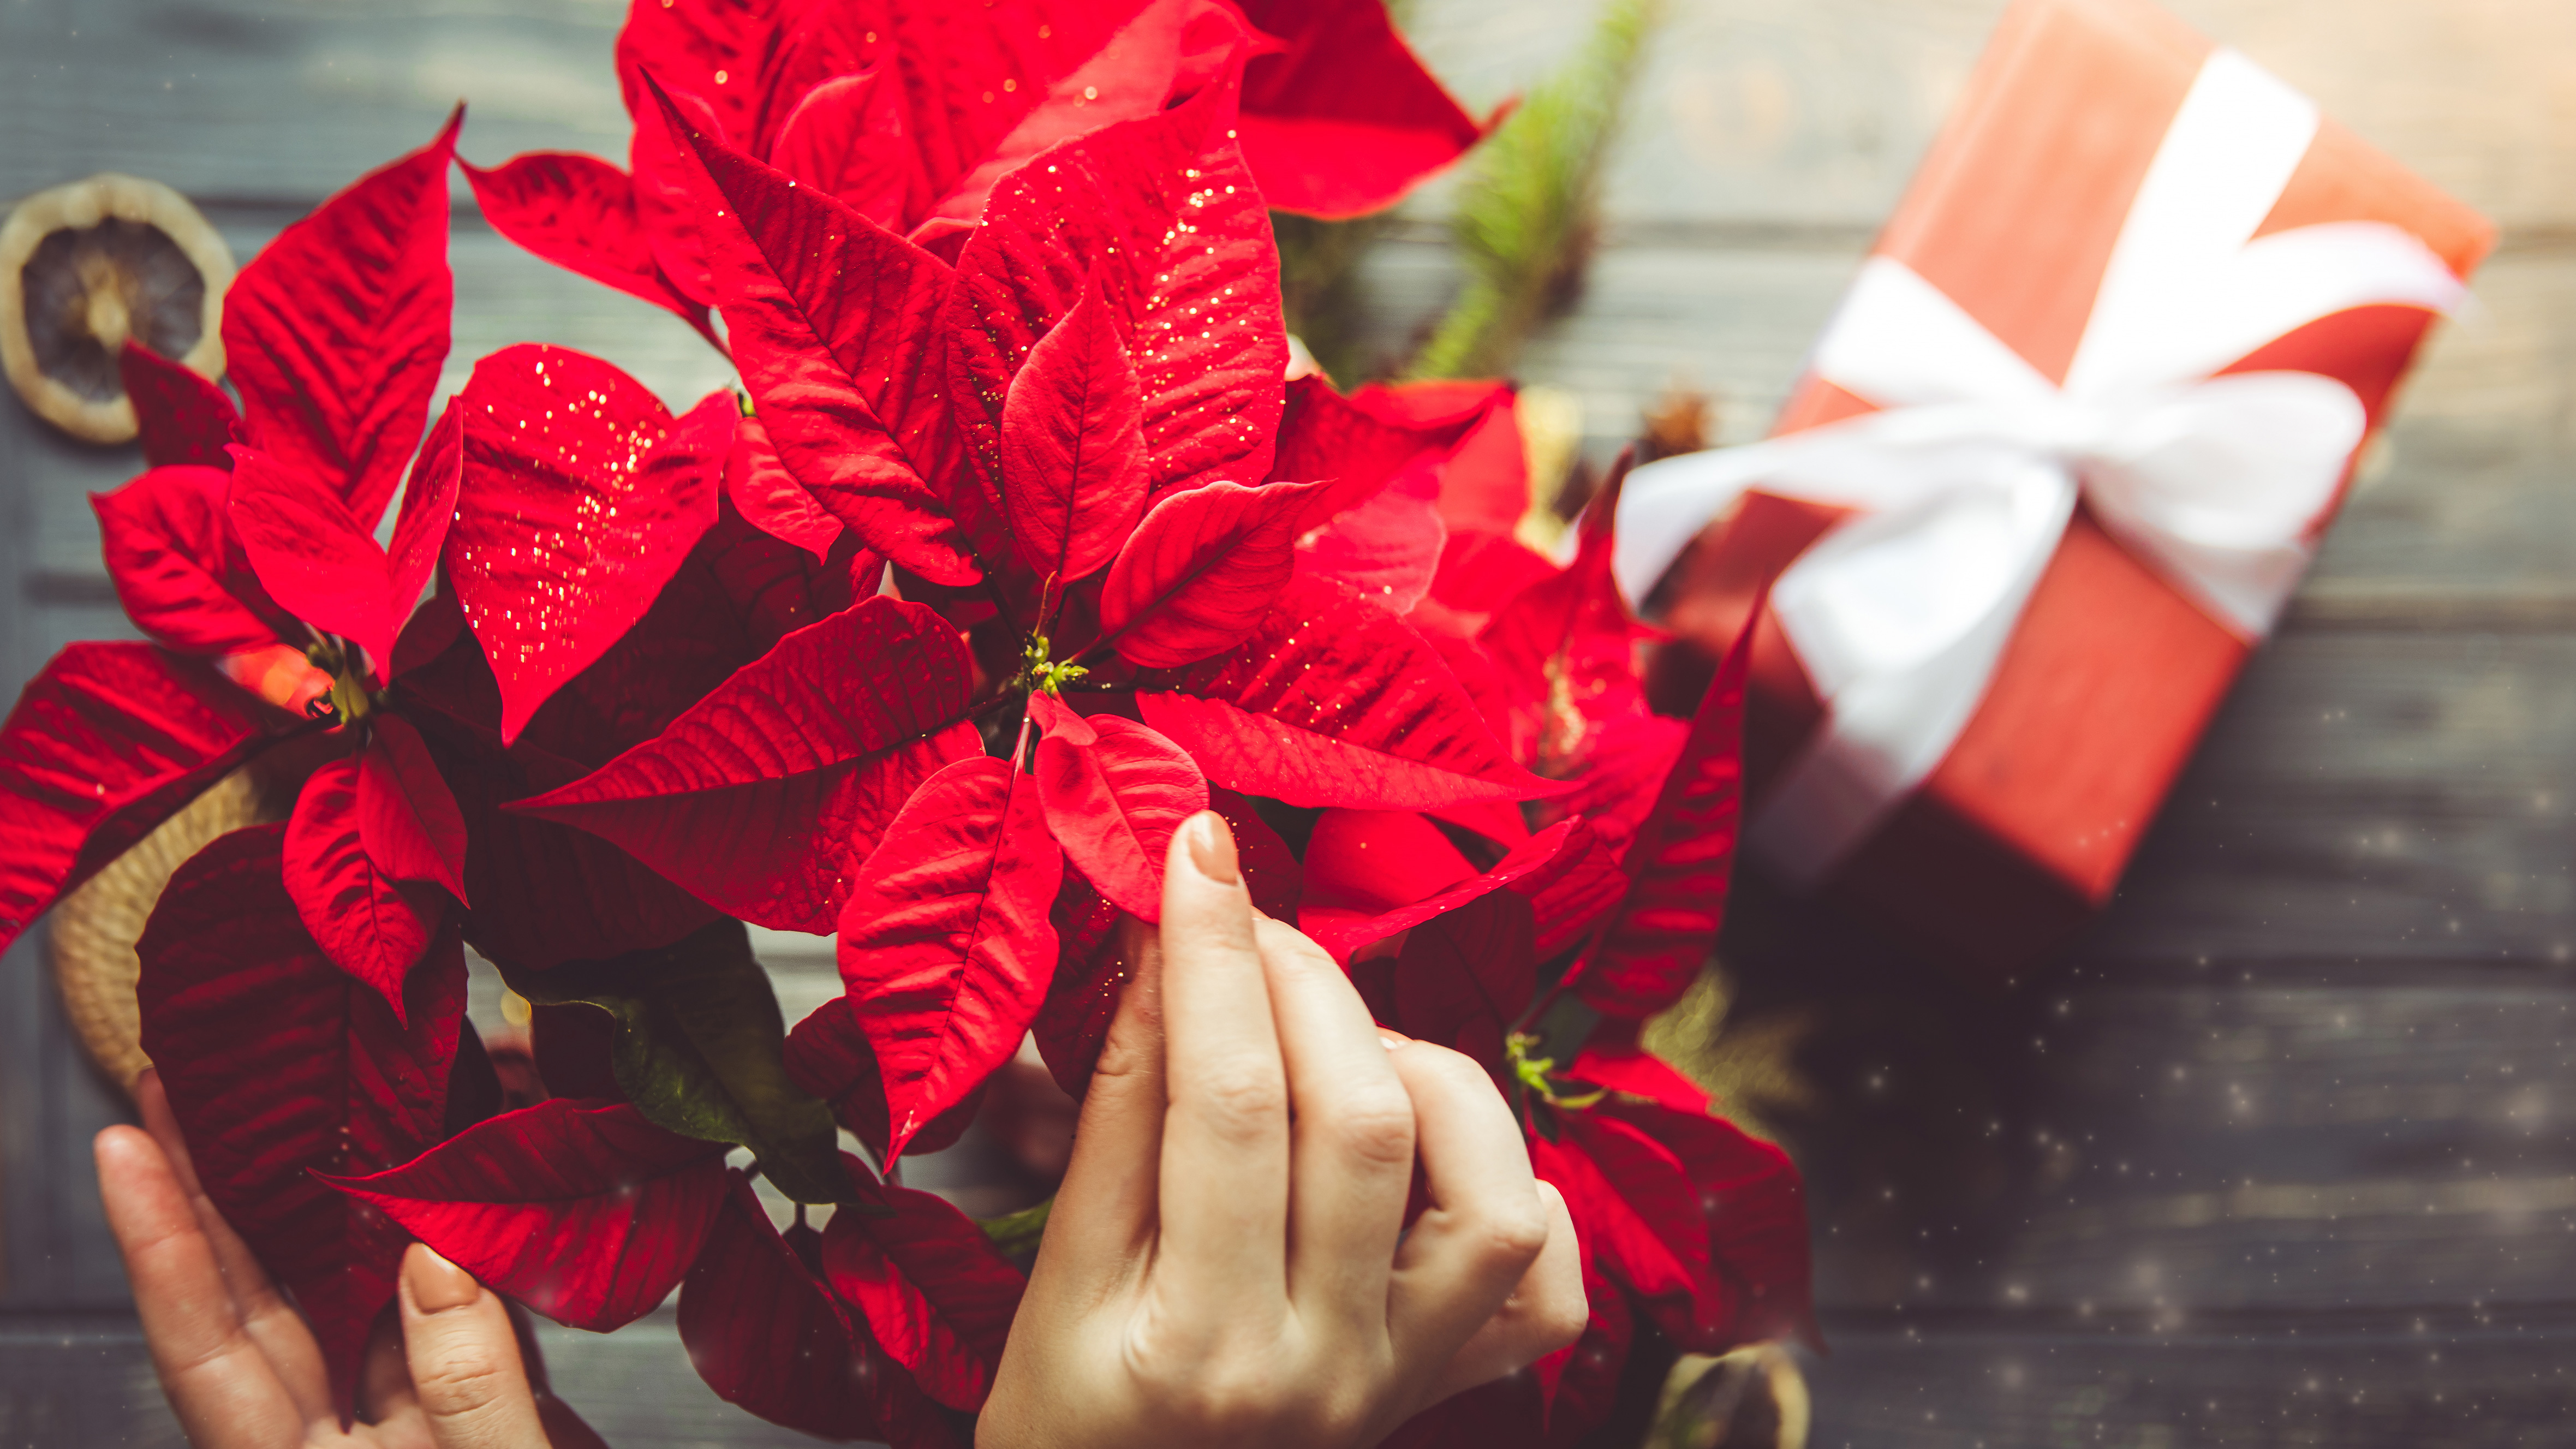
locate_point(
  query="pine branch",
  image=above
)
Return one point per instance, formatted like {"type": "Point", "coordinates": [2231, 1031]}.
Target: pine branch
{"type": "Point", "coordinates": [1528, 212]}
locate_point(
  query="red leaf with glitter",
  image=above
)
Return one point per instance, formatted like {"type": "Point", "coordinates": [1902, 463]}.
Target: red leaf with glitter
{"type": "Point", "coordinates": [1385, 550]}
{"type": "Point", "coordinates": [1073, 446]}
{"type": "Point", "coordinates": [407, 817]}
{"type": "Point", "coordinates": [764, 797]}
{"type": "Point", "coordinates": [336, 331]}
{"type": "Point", "coordinates": [578, 212]}
{"type": "Point", "coordinates": [1206, 565]}
{"type": "Point", "coordinates": [1114, 792]}
{"type": "Point", "coordinates": [933, 1290]}
{"type": "Point", "coordinates": [829, 318]}
{"type": "Point", "coordinates": [1160, 52]}
{"type": "Point", "coordinates": [169, 547]}
{"type": "Point", "coordinates": [1332, 701]}
{"type": "Point", "coordinates": [184, 418]}
{"type": "Point", "coordinates": [766, 1334]}
{"type": "Point", "coordinates": [945, 943]}
{"type": "Point", "coordinates": [587, 1214]}
{"type": "Point", "coordinates": [846, 137]}
{"type": "Point", "coordinates": [370, 924]}
{"type": "Point", "coordinates": [1162, 217]}
{"type": "Point", "coordinates": [770, 498]}
{"type": "Point", "coordinates": [1680, 861]}
{"type": "Point", "coordinates": [280, 1066]}
{"type": "Point", "coordinates": [104, 744]}
{"type": "Point", "coordinates": [1344, 120]}
{"type": "Point", "coordinates": [581, 497]}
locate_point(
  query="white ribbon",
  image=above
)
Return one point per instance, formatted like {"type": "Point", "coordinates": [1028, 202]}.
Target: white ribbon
{"type": "Point", "coordinates": [1968, 475]}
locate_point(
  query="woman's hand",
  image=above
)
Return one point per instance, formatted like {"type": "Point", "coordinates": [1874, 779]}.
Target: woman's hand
{"type": "Point", "coordinates": [1227, 1261]}
{"type": "Point", "coordinates": [243, 1372]}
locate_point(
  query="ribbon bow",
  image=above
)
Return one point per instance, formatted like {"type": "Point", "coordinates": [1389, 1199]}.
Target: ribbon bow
{"type": "Point", "coordinates": [1968, 475]}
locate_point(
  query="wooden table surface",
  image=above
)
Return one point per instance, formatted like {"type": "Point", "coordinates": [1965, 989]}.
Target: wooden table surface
{"type": "Point", "coordinates": [2280, 1154]}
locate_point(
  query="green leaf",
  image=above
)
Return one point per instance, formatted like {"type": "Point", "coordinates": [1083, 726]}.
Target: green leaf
{"type": "Point", "coordinates": [1528, 209]}
{"type": "Point", "coordinates": [700, 1050]}
{"type": "Point", "coordinates": [1016, 1234]}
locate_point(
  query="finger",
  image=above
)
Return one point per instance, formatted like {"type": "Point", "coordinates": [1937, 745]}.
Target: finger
{"type": "Point", "coordinates": [1351, 1164]}
{"type": "Point", "coordinates": [1224, 1177]}
{"type": "Point", "coordinates": [1545, 1313]}
{"type": "Point", "coordinates": [1487, 1222]}
{"type": "Point", "coordinates": [266, 1316]}
{"type": "Point", "coordinates": [1105, 1208]}
{"type": "Point", "coordinates": [223, 1389]}
{"type": "Point", "coordinates": [464, 1359]}
{"type": "Point", "coordinates": [385, 1397]}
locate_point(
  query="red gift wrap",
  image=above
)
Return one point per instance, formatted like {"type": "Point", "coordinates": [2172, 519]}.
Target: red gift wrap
{"type": "Point", "coordinates": [2019, 833]}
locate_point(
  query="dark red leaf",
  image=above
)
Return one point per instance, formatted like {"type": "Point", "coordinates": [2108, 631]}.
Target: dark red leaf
{"type": "Point", "coordinates": [578, 212]}
{"type": "Point", "coordinates": [1344, 120]}
{"type": "Point", "coordinates": [428, 510]}
{"type": "Point", "coordinates": [370, 924]}
{"type": "Point", "coordinates": [1364, 863]}
{"type": "Point", "coordinates": [1633, 1201]}
{"type": "Point", "coordinates": [336, 331]}
{"type": "Point", "coordinates": [766, 1334]}
{"type": "Point", "coordinates": [581, 497]}
{"type": "Point", "coordinates": [1073, 446]}
{"type": "Point", "coordinates": [1114, 792]}
{"type": "Point", "coordinates": [829, 317]}
{"type": "Point", "coordinates": [185, 419]}
{"type": "Point", "coordinates": [169, 545]}
{"type": "Point", "coordinates": [764, 797]}
{"type": "Point", "coordinates": [313, 555]}
{"type": "Point", "coordinates": [933, 1289]}
{"type": "Point", "coordinates": [1568, 879]}
{"type": "Point", "coordinates": [1205, 566]}
{"type": "Point", "coordinates": [1680, 861]}
{"type": "Point", "coordinates": [828, 1057]}
{"type": "Point", "coordinates": [1465, 978]}
{"type": "Point", "coordinates": [1751, 1215]}
{"type": "Point", "coordinates": [104, 744]}
{"type": "Point", "coordinates": [587, 1214]}
{"type": "Point", "coordinates": [279, 1066]}
{"type": "Point", "coordinates": [945, 942]}
{"type": "Point", "coordinates": [407, 817]}
{"type": "Point", "coordinates": [1163, 217]}
{"type": "Point", "coordinates": [769, 497]}
{"type": "Point", "coordinates": [1332, 701]}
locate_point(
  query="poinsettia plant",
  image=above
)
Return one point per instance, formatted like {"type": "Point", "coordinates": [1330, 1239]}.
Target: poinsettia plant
{"type": "Point", "coordinates": [1014, 548]}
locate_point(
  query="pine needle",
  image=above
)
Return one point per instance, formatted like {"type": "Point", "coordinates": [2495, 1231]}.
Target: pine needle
{"type": "Point", "coordinates": [1528, 210]}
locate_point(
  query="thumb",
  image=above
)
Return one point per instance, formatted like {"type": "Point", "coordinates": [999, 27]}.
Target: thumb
{"type": "Point", "coordinates": [464, 1359]}
{"type": "Point", "coordinates": [1105, 1206]}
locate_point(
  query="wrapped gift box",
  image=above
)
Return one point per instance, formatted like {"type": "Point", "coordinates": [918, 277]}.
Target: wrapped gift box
{"type": "Point", "coordinates": [2130, 211]}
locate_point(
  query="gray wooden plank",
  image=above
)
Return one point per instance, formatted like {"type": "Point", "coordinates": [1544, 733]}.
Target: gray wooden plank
{"type": "Point", "coordinates": [85, 1382]}
{"type": "Point", "coordinates": [2462, 1383]}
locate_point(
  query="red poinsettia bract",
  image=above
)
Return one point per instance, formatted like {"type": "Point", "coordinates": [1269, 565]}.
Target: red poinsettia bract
{"type": "Point", "coordinates": [910, 114]}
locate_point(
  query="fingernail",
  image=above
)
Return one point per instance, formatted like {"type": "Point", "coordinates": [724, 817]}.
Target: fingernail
{"type": "Point", "coordinates": [1212, 847]}
{"type": "Point", "coordinates": [1392, 1039]}
{"type": "Point", "coordinates": [437, 1284]}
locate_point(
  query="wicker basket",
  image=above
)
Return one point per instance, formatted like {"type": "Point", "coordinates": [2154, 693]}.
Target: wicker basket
{"type": "Point", "coordinates": [94, 929]}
